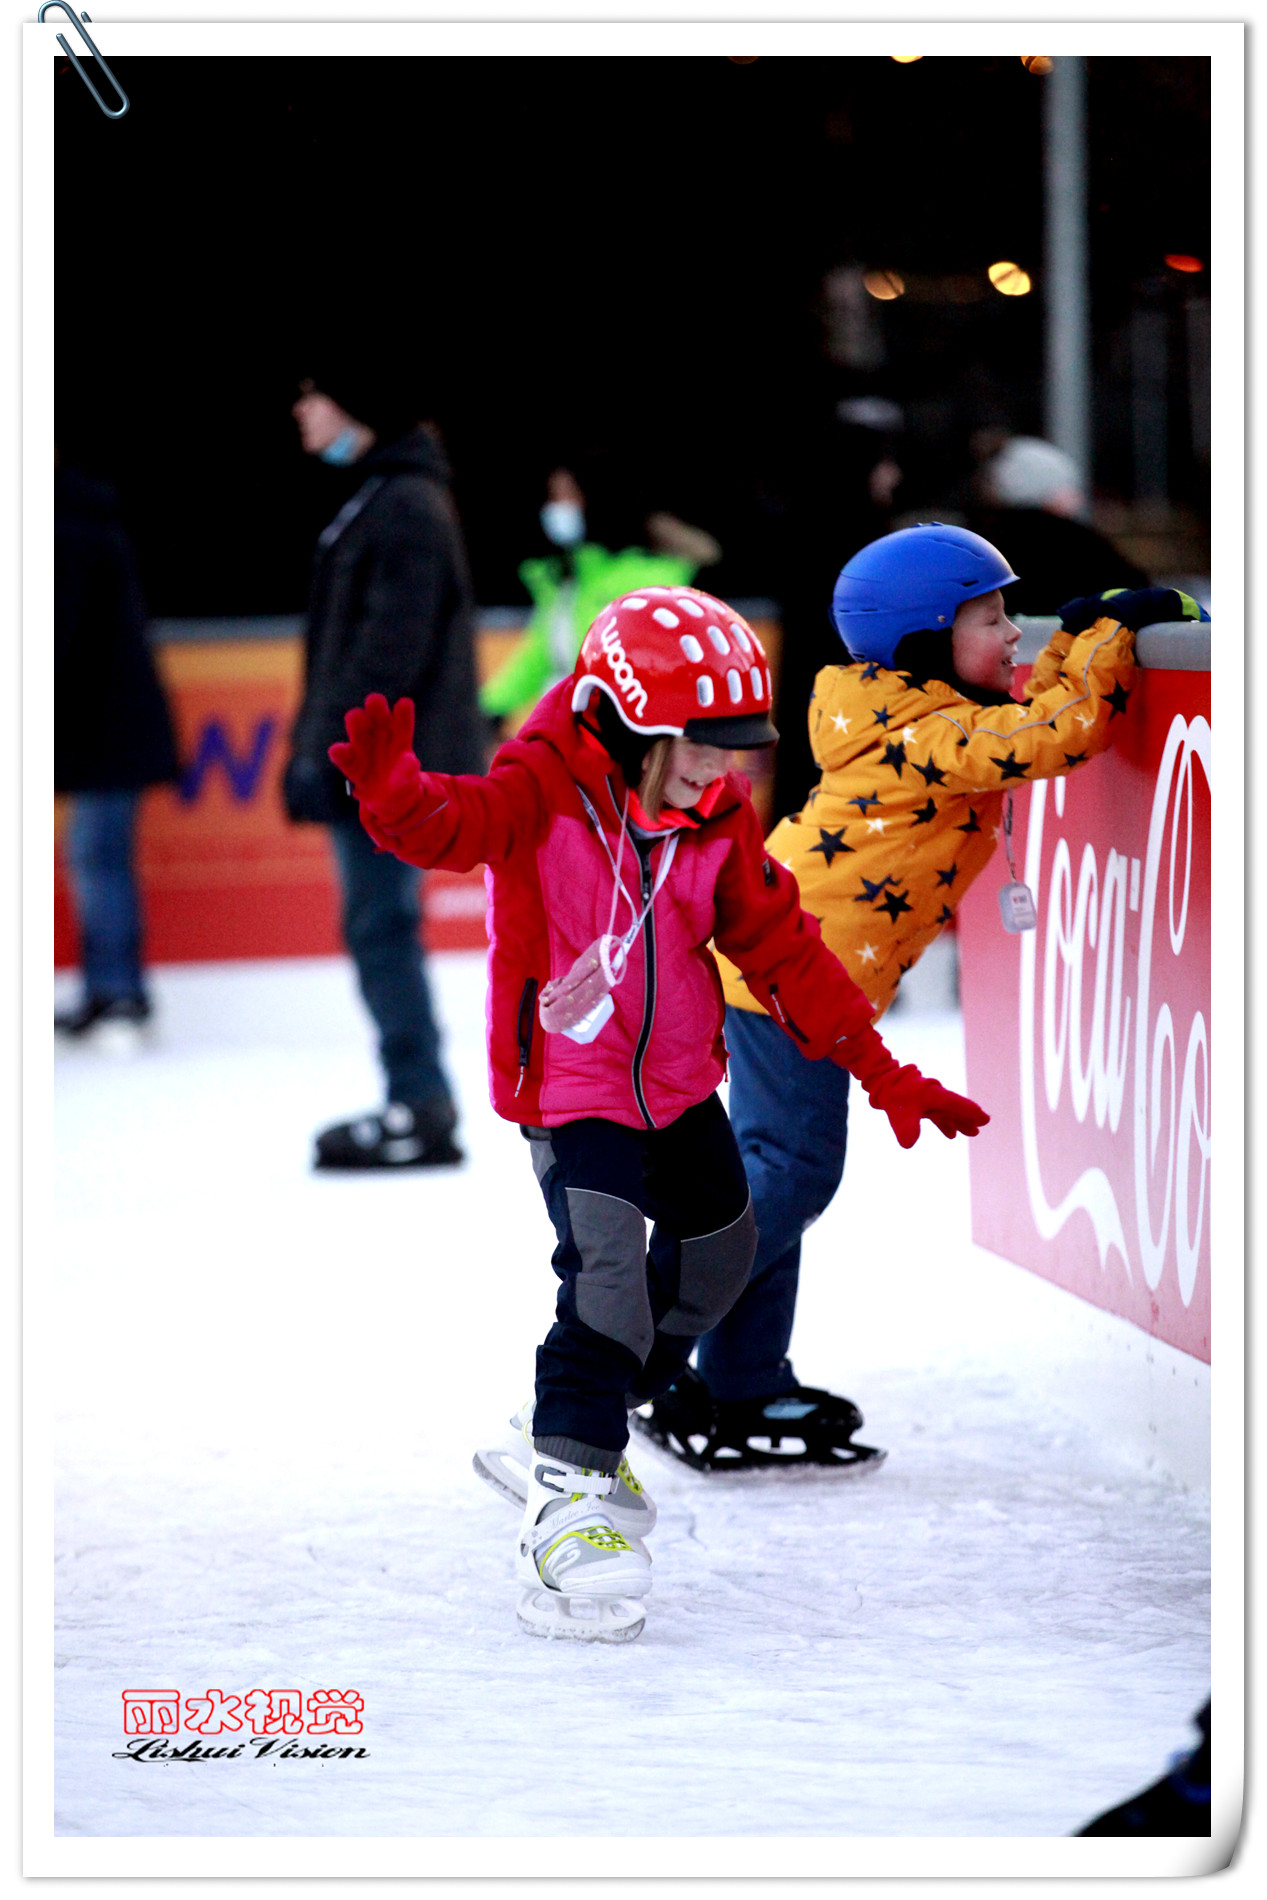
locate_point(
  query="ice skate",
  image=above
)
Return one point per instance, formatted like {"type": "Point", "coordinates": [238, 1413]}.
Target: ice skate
{"type": "Point", "coordinates": [506, 1466]}
{"type": "Point", "coordinates": [110, 1025]}
{"type": "Point", "coordinates": [579, 1577]}
{"type": "Point", "coordinates": [806, 1426]}
{"type": "Point", "coordinates": [402, 1135]}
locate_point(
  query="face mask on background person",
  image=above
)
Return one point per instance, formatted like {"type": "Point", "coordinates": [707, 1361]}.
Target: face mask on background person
{"type": "Point", "coordinates": [343, 450]}
{"type": "Point", "coordinates": [564, 523]}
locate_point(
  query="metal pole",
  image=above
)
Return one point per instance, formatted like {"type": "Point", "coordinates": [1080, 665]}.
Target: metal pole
{"type": "Point", "coordinates": [1067, 403]}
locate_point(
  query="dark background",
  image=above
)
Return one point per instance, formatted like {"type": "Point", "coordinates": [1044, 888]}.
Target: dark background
{"type": "Point", "coordinates": [617, 263]}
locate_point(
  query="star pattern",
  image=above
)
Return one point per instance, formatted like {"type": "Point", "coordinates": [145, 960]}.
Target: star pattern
{"type": "Point", "coordinates": [876, 824]}
{"type": "Point", "coordinates": [871, 670]}
{"type": "Point", "coordinates": [840, 722]}
{"type": "Point", "coordinates": [973, 823]}
{"type": "Point", "coordinates": [926, 813]}
{"type": "Point", "coordinates": [946, 914]}
{"type": "Point", "coordinates": [830, 843]}
{"type": "Point", "coordinates": [895, 903]}
{"type": "Point", "coordinates": [867, 953]}
{"type": "Point", "coordinates": [894, 755]}
{"type": "Point", "coordinates": [1117, 700]}
{"type": "Point", "coordinates": [908, 733]}
{"type": "Point", "coordinates": [1074, 758]}
{"type": "Point", "coordinates": [930, 773]}
{"type": "Point", "coordinates": [1011, 766]}
{"type": "Point", "coordinates": [948, 877]}
{"type": "Point", "coordinates": [863, 803]}
{"type": "Point", "coordinates": [871, 891]}
{"type": "Point", "coordinates": [1086, 720]}
{"type": "Point", "coordinates": [883, 716]}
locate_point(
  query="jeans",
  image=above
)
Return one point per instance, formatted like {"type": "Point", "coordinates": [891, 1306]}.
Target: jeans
{"type": "Point", "coordinates": [101, 854]}
{"type": "Point", "coordinates": [381, 915]}
{"type": "Point", "coordinates": [791, 1119]}
{"type": "Point", "coordinates": [629, 1313]}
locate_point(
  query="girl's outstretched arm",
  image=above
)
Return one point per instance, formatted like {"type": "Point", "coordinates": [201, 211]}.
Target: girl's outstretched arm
{"type": "Point", "coordinates": [432, 818]}
{"type": "Point", "coordinates": [789, 969]}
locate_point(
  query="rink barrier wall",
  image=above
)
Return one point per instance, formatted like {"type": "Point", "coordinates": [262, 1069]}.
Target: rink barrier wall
{"type": "Point", "coordinates": [223, 873]}
{"type": "Point", "coordinates": [1088, 1039]}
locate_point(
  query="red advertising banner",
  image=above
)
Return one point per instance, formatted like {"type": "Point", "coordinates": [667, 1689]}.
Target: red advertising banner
{"type": "Point", "coordinates": [223, 872]}
{"type": "Point", "coordinates": [1088, 1038]}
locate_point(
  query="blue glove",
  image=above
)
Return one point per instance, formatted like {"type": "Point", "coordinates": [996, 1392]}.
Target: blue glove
{"type": "Point", "coordinates": [1135, 608]}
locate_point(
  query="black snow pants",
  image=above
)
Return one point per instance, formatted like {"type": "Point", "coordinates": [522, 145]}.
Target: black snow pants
{"type": "Point", "coordinates": [628, 1314]}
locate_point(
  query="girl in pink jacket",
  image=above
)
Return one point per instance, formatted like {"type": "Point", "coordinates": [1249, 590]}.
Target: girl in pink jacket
{"type": "Point", "coordinates": [617, 847]}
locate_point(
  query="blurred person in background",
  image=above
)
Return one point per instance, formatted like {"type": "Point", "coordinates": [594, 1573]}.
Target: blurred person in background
{"type": "Point", "coordinates": [847, 484]}
{"type": "Point", "coordinates": [391, 610]}
{"type": "Point", "coordinates": [1032, 502]}
{"type": "Point", "coordinates": [112, 736]}
{"type": "Point", "coordinates": [569, 587]}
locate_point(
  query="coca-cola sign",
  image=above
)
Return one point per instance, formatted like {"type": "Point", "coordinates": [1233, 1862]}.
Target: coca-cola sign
{"type": "Point", "coordinates": [1088, 1037]}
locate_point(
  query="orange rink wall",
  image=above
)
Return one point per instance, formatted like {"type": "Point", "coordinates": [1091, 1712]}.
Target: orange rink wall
{"type": "Point", "coordinates": [223, 872]}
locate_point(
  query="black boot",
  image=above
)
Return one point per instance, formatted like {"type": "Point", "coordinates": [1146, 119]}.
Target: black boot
{"type": "Point", "coordinates": [403, 1135]}
{"type": "Point", "coordinates": [805, 1426]}
{"type": "Point", "coordinates": [95, 1010]}
{"type": "Point", "coordinates": [1178, 1804]}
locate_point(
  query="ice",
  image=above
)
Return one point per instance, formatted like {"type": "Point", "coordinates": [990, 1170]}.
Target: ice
{"type": "Point", "coordinates": [270, 1387]}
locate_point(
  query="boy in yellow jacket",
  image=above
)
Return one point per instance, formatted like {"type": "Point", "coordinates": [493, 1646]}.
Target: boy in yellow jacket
{"type": "Point", "coordinates": [920, 742]}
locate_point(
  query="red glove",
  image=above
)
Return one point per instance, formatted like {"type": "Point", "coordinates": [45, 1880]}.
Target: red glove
{"type": "Point", "coordinates": [377, 758]}
{"type": "Point", "coordinates": [909, 1098]}
{"type": "Point", "coordinates": [906, 1096]}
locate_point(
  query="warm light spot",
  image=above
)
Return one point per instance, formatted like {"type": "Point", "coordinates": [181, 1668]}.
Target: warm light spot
{"type": "Point", "coordinates": [884, 284]}
{"type": "Point", "coordinates": [742, 62]}
{"type": "Point", "coordinates": [1010, 280]}
{"type": "Point", "coordinates": [906, 59]}
{"type": "Point", "coordinates": [1039, 66]}
{"type": "Point", "coordinates": [1178, 261]}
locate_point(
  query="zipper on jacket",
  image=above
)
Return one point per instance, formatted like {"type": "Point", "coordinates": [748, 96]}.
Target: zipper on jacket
{"type": "Point", "coordinates": [524, 1026]}
{"type": "Point", "coordinates": [649, 985]}
{"type": "Point", "coordinates": [783, 1016]}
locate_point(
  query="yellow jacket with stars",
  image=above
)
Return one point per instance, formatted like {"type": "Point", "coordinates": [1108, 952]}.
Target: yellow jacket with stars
{"type": "Point", "coordinates": [910, 804]}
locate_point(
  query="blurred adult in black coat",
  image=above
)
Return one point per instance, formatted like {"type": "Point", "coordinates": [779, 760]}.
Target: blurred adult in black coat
{"type": "Point", "coordinates": [841, 499]}
{"type": "Point", "coordinates": [391, 610]}
{"type": "Point", "coordinates": [112, 736]}
{"type": "Point", "coordinates": [1031, 498]}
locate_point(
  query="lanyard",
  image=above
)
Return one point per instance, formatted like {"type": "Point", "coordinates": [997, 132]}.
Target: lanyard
{"type": "Point", "coordinates": [639, 916]}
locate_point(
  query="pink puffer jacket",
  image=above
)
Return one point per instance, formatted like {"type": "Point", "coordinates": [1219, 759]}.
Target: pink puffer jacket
{"type": "Point", "coordinates": [534, 822]}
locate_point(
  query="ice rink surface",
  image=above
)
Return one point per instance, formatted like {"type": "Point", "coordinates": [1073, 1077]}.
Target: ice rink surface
{"type": "Point", "coordinates": [270, 1387]}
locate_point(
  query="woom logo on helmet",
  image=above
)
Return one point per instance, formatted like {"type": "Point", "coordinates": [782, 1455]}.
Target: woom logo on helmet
{"type": "Point", "coordinates": [622, 672]}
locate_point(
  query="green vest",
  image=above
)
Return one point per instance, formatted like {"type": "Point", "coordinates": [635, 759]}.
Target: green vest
{"type": "Point", "coordinates": [563, 611]}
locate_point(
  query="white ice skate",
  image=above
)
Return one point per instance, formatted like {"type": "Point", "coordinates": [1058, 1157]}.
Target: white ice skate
{"type": "Point", "coordinates": [579, 1577]}
{"type": "Point", "coordinates": [505, 1466]}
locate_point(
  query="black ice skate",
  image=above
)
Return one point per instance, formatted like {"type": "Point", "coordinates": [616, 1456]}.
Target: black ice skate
{"type": "Point", "coordinates": [403, 1135]}
{"type": "Point", "coordinates": [805, 1426]}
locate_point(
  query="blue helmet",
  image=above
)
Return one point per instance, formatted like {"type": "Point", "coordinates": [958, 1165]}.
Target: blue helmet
{"type": "Point", "coordinates": [910, 582]}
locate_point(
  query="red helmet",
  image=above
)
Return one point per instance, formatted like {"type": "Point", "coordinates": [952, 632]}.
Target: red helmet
{"type": "Point", "coordinates": [674, 660]}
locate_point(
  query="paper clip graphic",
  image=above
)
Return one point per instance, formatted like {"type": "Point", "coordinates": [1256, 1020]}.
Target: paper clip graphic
{"type": "Point", "coordinates": [116, 112]}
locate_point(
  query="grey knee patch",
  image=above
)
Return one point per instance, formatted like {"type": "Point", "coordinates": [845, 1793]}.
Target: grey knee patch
{"type": "Point", "coordinates": [611, 1288]}
{"type": "Point", "coordinates": [542, 1157]}
{"type": "Point", "coordinates": [715, 1271]}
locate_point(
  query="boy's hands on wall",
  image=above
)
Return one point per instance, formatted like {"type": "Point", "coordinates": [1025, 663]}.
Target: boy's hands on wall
{"type": "Point", "coordinates": [1133, 607]}
{"type": "Point", "coordinates": [377, 757]}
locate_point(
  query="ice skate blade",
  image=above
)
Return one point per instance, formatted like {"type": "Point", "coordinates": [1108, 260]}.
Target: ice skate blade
{"type": "Point", "coordinates": [580, 1619]}
{"type": "Point", "coordinates": [505, 1474]}
{"type": "Point", "coordinates": [696, 1452]}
